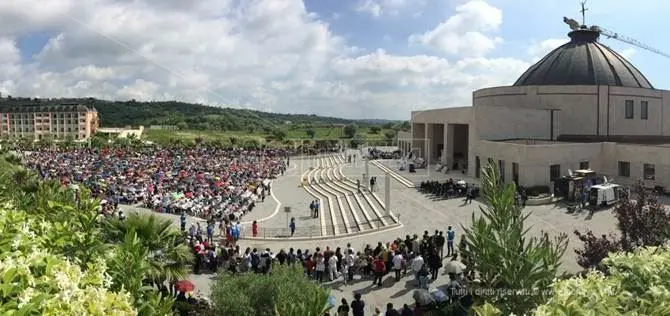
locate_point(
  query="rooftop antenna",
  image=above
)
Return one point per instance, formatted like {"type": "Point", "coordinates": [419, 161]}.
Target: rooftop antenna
{"type": "Point", "coordinates": [583, 11]}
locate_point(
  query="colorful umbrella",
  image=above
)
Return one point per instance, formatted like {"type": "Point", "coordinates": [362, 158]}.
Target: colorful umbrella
{"type": "Point", "coordinates": [184, 286]}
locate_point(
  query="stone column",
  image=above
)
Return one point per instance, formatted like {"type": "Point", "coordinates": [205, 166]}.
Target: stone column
{"type": "Point", "coordinates": [367, 167]}
{"type": "Point", "coordinates": [387, 193]}
{"type": "Point", "coordinates": [426, 142]}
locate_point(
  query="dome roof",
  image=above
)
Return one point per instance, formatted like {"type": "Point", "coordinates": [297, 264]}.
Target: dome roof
{"type": "Point", "coordinates": [583, 61]}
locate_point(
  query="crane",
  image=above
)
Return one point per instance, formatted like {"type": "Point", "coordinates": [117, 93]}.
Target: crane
{"type": "Point", "coordinates": [574, 25]}
{"type": "Point", "coordinates": [613, 35]}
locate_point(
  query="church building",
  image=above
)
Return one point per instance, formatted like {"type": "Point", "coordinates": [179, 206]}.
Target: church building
{"type": "Point", "coordinates": [582, 106]}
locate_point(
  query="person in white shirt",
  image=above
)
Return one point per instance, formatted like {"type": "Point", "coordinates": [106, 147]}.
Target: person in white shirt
{"type": "Point", "coordinates": [332, 268]}
{"type": "Point", "coordinates": [417, 264]}
{"type": "Point", "coordinates": [397, 265]}
{"type": "Point", "coordinates": [348, 266]}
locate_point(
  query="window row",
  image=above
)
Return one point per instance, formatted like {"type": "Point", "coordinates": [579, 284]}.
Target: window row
{"type": "Point", "coordinates": [648, 170]}
{"type": "Point", "coordinates": [630, 110]}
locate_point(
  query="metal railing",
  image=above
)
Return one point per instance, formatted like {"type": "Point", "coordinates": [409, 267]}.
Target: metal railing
{"type": "Point", "coordinates": [315, 230]}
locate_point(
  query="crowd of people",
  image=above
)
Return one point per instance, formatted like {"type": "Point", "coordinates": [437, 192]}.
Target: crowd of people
{"type": "Point", "coordinates": [422, 258]}
{"type": "Point", "coordinates": [203, 182]}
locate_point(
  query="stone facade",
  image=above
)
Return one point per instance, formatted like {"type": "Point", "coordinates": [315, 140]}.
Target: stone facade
{"type": "Point", "coordinates": [616, 131]}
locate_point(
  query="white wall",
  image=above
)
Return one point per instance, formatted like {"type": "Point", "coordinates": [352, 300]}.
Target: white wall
{"type": "Point", "coordinates": [587, 110]}
{"type": "Point", "coordinates": [497, 123]}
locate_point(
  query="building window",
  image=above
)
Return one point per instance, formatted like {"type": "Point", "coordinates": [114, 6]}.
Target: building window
{"type": "Point", "coordinates": [649, 171]}
{"type": "Point", "coordinates": [624, 169]}
{"type": "Point", "coordinates": [644, 110]}
{"type": "Point", "coordinates": [584, 165]}
{"type": "Point", "coordinates": [554, 172]}
{"type": "Point", "coordinates": [630, 109]}
{"type": "Point", "coordinates": [515, 173]}
{"type": "Point", "coordinates": [501, 166]}
{"type": "Point", "coordinates": [478, 167]}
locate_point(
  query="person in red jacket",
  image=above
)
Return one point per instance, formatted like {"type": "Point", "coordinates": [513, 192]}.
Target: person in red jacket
{"type": "Point", "coordinates": [379, 267]}
{"type": "Point", "coordinates": [254, 229]}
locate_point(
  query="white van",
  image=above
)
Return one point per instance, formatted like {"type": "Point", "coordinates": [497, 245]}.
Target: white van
{"type": "Point", "coordinates": [605, 194]}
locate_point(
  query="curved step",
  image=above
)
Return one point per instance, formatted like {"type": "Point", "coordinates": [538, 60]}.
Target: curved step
{"type": "Point", "coordinates": [353, 208]}
{"type": "Point", "coordinates": [328, 187]}
{"type": "Point", "coordinates": [361, 206]}
{"type": "Point", "coordinates": [351, 183]}
{"type": "Point", "coordinates": [324, 228]}
{"type": "Point", "coordinates": [314, 175]}
{"type": "Point", "coordinates": [323, 187]}
{"type": "Point", "coordinates": [394, 174]}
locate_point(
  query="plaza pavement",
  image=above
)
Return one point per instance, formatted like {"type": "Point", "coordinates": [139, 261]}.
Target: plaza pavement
{"type": "Point", "coordinates": [417, 212]}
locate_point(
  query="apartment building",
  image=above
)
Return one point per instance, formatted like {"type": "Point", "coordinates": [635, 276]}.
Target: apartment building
{"type": "Point", "coordinates": [56, 121]}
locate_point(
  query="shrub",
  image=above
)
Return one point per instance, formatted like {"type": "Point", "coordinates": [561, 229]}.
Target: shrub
{"type": "Point", "coordinates": [285, 292]}
{"type": "Point", "coordinates": [34, 281]}
{"type": "Point", "coordinates": [538, 190]}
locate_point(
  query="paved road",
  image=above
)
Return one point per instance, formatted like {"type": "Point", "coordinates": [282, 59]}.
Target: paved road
{"type": "Point", "coordinates": [417, 212]}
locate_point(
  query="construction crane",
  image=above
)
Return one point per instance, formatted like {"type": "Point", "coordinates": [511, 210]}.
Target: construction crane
{"type": "Point", "coordinates": [627, 40]}
{"type": "Point", "coordinates": [574, 25]}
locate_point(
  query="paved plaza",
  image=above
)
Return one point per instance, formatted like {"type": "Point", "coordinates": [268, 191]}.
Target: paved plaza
{"type": "Point", "coordinates": [416, 211]}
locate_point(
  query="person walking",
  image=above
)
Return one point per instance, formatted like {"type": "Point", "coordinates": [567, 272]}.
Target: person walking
{"type": "Point", "coordinates": [254, 229]}
{"type": "Point", "coordinates": [349, 262]}
{"type": "Point", "coordinates": [320, 267]}
{"type": "Point", "coordinates": [182, 220]}
{"type": "Point", "coordinates": [379, 266]}
{"type": "Point", "coordinates": [358, 305]}
{"type": "Point", "coordinates": [451, 235]}
{"type": "Point", "coordinates": [316, 209]}
{"type": "Point", "coordinates": [312, 206]}
{"type": "Point", "coordinates": [439, 243]}
{"type": "Point", "coordinates": [343, 310]}
{"type": "Point", "coordinates": [417, 265]}
{"type": "Point", "coordinates": [397, 265]}
{"type": "Point", "coordinates": [292, 226]}
{"type": "Point", "coordinates": [332, 268]}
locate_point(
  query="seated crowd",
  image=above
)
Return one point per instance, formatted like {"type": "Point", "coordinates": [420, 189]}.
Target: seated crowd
{"type": "Point", "coordinates": [203, 182]}
{"type": "Point", "coordinates": [420, 257]}
{"type": "Point", "coordinates": [450, 189]}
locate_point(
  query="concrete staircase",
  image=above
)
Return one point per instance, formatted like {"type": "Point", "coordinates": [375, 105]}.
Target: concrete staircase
{"type": "Point", "coordinates": [345, 210]}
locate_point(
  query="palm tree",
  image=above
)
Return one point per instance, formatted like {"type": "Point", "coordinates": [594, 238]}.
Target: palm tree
{"type": "Point", "coordinates": [168, 253]}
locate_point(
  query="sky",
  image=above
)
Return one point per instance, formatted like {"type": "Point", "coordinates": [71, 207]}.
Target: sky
{"type": "Point", "coordinates": [347, 58]}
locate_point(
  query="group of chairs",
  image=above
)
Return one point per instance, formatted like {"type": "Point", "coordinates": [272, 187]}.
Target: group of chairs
{"type": "Point", "coordinates": [449, 189]}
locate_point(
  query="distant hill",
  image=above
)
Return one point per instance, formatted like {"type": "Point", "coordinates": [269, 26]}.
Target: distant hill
{"type": "Point", "coordinates": [188, 115]}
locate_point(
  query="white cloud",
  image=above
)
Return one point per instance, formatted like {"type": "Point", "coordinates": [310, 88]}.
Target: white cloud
{"type": "Point", "coordinates": [377, 8]}
{"type": "Point", "coordinates": [266, 54]}
{"type": "Point", "coordinates": [466, 33]}
{"type": "Point", "coordinates": [543, 48]}
{"type": "Point", "coordinates": [628, 52]}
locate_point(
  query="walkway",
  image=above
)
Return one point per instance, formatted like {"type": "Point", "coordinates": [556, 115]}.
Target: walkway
{"type": "Point", "coordinates": [417, 212]}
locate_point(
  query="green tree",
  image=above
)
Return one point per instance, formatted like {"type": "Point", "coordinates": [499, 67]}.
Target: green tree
{"type": "Point", "coordinates": [375, 130]}
{"type": "Point", "coordinates": [389, 135]}
{"type": "Point", "coordinates": [356, 141]}
{"type": "Point", "coordinates": [285, 292]}
{"type": "Point", "coordinates": [169, 255]}
{"type": "Point", "coordinates": [637, 283]}
{"type": "Point", "coordinates": [350, 130]}
{"type": "Point", "coordinates": [310, 133]}
{"type": "Point", "coordinates": [642, 221]}
{"type": "Point", "coordinates": [279, 134]}
{"type": "Point", "coordinates": [504, 256]}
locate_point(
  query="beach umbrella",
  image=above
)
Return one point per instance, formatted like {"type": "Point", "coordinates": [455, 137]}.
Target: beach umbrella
{"type": "Point", "coordinates": [185, 286]}
{"type": "Point", "coordinates": [423, 297]}
{"type": "Point", "coordinates": [454, 267]}
{"type": "Point", "coordinates": [332, 302]}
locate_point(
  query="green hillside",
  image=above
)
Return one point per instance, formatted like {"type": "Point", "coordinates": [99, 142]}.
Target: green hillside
{"type": "Point", "coordinates": [187, 115]}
